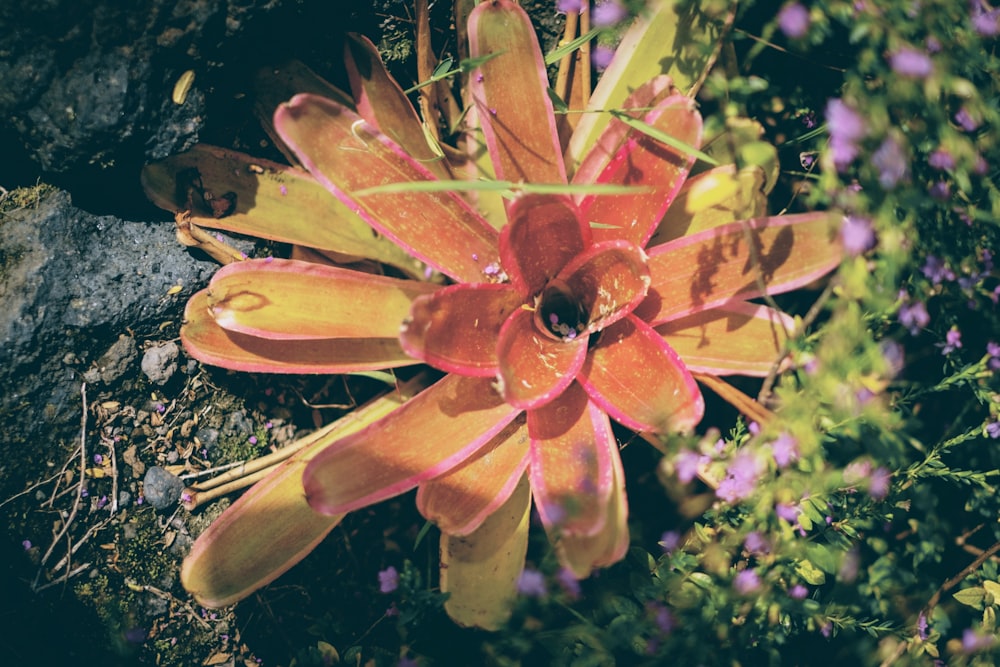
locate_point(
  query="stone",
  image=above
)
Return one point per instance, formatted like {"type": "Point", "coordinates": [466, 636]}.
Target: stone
{"type": "Point", "coordinates": [159, 362]}
{"type": "Point", "coordinates": [161, 489]}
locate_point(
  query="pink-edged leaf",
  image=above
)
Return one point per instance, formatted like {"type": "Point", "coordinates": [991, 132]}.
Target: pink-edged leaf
{"type": "Point", "coordinates": [634, 375]}
{"type": "Point", "coordinates": [544, 233]}
{"type": "Point", "coordinates": [739, 261]}
{"type": "Point", "coordinates": [431, 434]}
{"type": "Point", "coordinates": [457, 328]}
{"type": "Point", "coordinates": [571, 467]}
{"type": "Point", "coordinates": [461, 499]}
{"type": "Point", "coordinates": [581, 554]}
{"type": "Point", "coordinates": [207, 342]}
{"type": "Point", "coordinates": [711, 199]}
{"type": "Point", "coordinates": [616, 133]}
{"type": "Point", "coordinates": [479, 571]}
{"type": "Point", "coordinates": [644, 161]}
{"type": "Point", "coordinates": [289, 299]}
{"type": "Point", "coordinates": [270, 201]}
{"type": "Point", "coordinates": [736, 338]}
{"type": "Point", "coordinates": [346, 154]}
{"type": "Point", "coordinates": [381, 102]}
{"type": "Point", "coordinates": [271, 527]}
{"type": "Point", "coordinates": [510, 93]}
{"type": "Point", "coordinates": [535, 367]}
{"type": "Point", "coordinates": [607, 282]}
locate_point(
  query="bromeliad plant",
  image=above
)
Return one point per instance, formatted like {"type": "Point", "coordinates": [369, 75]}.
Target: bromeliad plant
{"type": "Point", "coordinates": [606, 279]}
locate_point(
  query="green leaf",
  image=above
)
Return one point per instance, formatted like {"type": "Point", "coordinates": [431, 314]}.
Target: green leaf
{"type": "Point", "coordinates": [971, 597]}
{"type": "Point", "coordinates": [810, 573]}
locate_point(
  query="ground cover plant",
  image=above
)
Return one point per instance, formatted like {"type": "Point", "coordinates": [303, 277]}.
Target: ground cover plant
{"type": "Point", "coordinates": [806, 206]}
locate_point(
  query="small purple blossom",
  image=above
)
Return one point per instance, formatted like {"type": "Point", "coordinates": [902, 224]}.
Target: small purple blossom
{"type": "Point", "coordinates": [608, 13]}
{"type": "Point", "coordinates": [911, 63]}
{"type": "Point", "coordinates": [601, 56]}
{"type": "Point", "coordinates": [935, 270]}
{"type": "Point", "coordinates": [856, 471]}
{"type": "Point", "coordinates": [26, 544]}
{"type": "Point", "coordinates": [846, 127]}
{"type": "Point", "coordinates": [985, 19]}
{"type": "Point", "coordinates": [941, 159]}
{"type": "Point", "coordinates": [756, 544]}
{"type": "Point", "coordinates": [531, 583]}
{"type": "Point", "coordinates": [966, 120]}
{"type": "Point", "coordinates": [952, 341]}
{"type": "Point", "coordinates": [569, 583]}
{"type": "Point", "coordinates": [102, 502]}
{"type": "Point", "coordinates": [798, 592]}
{"type": "Point", "coordinates": [788, 512]}
{"type": "Point", "coordinates": [98, 459]}
{"type": "Point", "coordinates": [741, 477]}
{"type": "Point", "coordinates": [569, 6]}
{"type": "Point", "coordinates": [892, 163]}
{"type": "Point", "coordinates": [849, 566]}
{"type": "Point", "coordinates": [922, 626]}
{"type": "Point", "coordinates": [388, 579]}
{"type": "Point", "coordinates": [993, 429]}
{"type": "Point", "coordinates": [878, 486]}
{"type": "Point", "coordinates": [940, 190]}
{"type": "Point", "coordinates": [894, 357]}
{"type": "Point", "coordinates": [252, 440]}
{"type": "Point", "coordinates": [857, 234]}
{"type": "Point", "coordinates": [793, 20]}
{"type": "Point", "coordinates": [669, 541]}
{"type": "Point", "coordinates": [686, 465]}
{"type": "Point", "coordinates": [785, 449]}
{"type": "Point", "coordinates": [746, 582]}
{"type": "Point", "coordinates": [663, 619]}
{"type": "Point", "coordinates": [973, 642]}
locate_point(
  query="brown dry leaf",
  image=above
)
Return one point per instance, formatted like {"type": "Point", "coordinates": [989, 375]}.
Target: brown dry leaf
{"type": "Point", "coordinates": [218, 658]}
{"type": "Point", "coordinates": [138, 467]}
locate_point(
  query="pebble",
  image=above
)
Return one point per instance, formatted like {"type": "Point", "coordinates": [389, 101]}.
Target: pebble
{"type": "Point", "coordinates": [161, 488]}
{"type": "Point", "coordinates": [159, 362]}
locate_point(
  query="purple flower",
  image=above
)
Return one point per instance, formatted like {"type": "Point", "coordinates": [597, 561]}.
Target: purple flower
{"type": "Point", "coordinates": [985, 19]}
{"type": "Point", "coordinates": [922, 626]}
{"type": "Point", "coordinates": [756, 544]}
{"type": "Point", "coordinates": [940, 190]}
{"type": "Point", "coordinates": [686, 464]}
{"type": "Point", "coordinates": [856, 234]}
{"type": "Point", "coordinates": [952, 341]}
{"type": "Point", "coordinates": [569, 6]}
{"type": "Point", "coordinates": [746, 582]}
{"type": "Point", "coordinates": [892, 163]}
{"type": "Point", "coordinates": [857, 471]}
{"type": "Point", "coordinates": [608, 13]}
{"type": "Point", "coordinates": [669, 541]}
{"type": "Point", "coordinates": [878, 486]}
{"type": "Point", "coordinates": [663, 619]}
{"type": "Point", "coordinates": [973, 642]}
{"type": "Point", "coordinates": [992, 430]}
{"type": "Point", "coordinates": [569, 583]}
{"type": "Point", "coordinates": [784, 449]}
{"type": "Point", "coordinates": [892, 353]}
{"type": "Point", "coordinates": [531, 583]}
{"type": "Point", "coordinates": [26, 544]}
{"type": "Point", "coordinates": [252, 440]}
{"type": "Point", "coordinates": [846, 127]}
{"type": "Point", "coordinates": [601, 56]}
{"type": "Point", "coordinates": [941, 159]}
{"type": "Point", "coordinates": [849, 566]}
{"type": "Point", "coordinates": [788, 512]}
{"type": "Point", "coordinates": [793, 20]}
{"type": "Point", "coordinates": [798, 592]}
{"type": "Point", "coordinates": [388, 579]}
{"type": "Point", "coordinates": [911, 63]}
{"type": "Point", "coordinates": [935, 270]}
{"type": "Point", "coordinates": [98, 459]}
{"type": "Point", "coordinates": [965, 119]}
{"type": "Point", "coordinates": [741, 476]}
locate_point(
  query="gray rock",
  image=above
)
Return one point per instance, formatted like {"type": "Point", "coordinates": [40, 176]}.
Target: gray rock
{"type": "Point", "coordinates": [159, 362]}
{"type": "Point", "coordinates": [70, 284]}
{"type": "Point", "coordinates": [161, 488]}
{"type": "Point", "coordinates": [113, 363]}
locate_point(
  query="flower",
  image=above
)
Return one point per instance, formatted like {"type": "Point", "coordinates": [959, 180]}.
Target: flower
{"type": "Point", "coordinates": [686, 465]}
{"type": "Point", "coordinates": [784, 449]}
{"type": "Point", "coordinates": [935, 270]}
{"type": "Point", "coordinates": [388, 579]}
{"type": "Point", "coordinates": [911, 63]}
{"type": "Point", "coordinates": [941, 159]}
{"type": "Point", "coordinates": [952, 341]}
{"type": "Point", "coordinates": [568, 6]}
{"type": "Point", "coordinates": [608, 13]}
{"type": "Point", "coordinates": [973, 642]}
{"type": "Point", "coordinates": [746, 582]}
{"type": "Point", "coordinates": [913, 315]}
{"type": "Point", "coordinates": [878, 485]}
{"type": "Point", "coordinates": [788, 512]}
{"type": "Point", "coordinates": [856, 234]}
{"type": "Point", "coordinates": [601, 56]}
{"type": "Point", "coordinates": [985, 19]}
{"type": "Point", "coordinates": [568, 582]}
{"type": "Point", "coordinates": [756, 544]}
{"type": "Point", "coordinates": [532, 584]}
{"type": "Point", "coordinates": [892, 162]}
{"type": "Point", "coordinates": [966, 120]}
{"type": "Point", "coordinates": [798, 592]}
{"type": "Point", "coordinates": [846, 127]}
{"type": "Point", "coordinates": [793, 20]}
{"type": "Point", "coordinates": [993, 429]}
{"type": "Point", "coordinates": [741, 477]}
{"type": "Point", "coordinates": [582, 308]}
{"type": "Point", "coordinates": [669, 541]}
